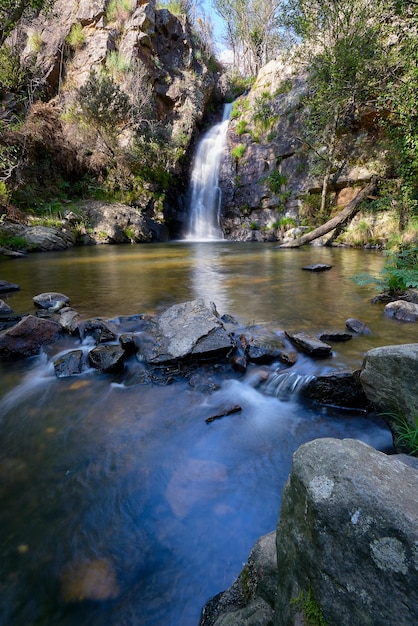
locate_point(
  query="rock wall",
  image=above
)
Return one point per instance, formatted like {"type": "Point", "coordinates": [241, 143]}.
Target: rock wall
{"type": "Point", "coordinates": [269, 172]}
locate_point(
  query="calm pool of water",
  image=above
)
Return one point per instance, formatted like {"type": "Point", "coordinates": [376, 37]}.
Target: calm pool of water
{"type": "Point", "coordinates": [119, 503]}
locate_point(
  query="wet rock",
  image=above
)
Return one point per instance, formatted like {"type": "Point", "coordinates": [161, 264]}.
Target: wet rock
{"type": "Point", "coordinates": [188, 330]}
{"type": "Point", "coordinates": [335, 336]}
{"type": "Point", "coordinates": [349, 518]}
{"type": "Point", "coordinates": [250, 599]}
{"type": "Point", "coordinates": [357, 327]}
{"type": "Point", "coordinates": [342, 389]}
{"type": "Point", "coordinates": [100, 330]}
{"type": "Point", "coordinates": [263, 347]}
{"type": "Point", "coordinates": [51, 301]}
{"type": "Point", "coordinates": [402, 311]}
{"type": "Point", "coordinates": [7, 316]}
{"type": "Point", "coordinates": [28, 336]}
{"type": "Point", "coordinates": [389, 379]}
{"type": "Point", "coordinates": [310, 344]}
{"type": "Point", "coordinates": [93, 580]}
{"type": "Point", "coordinates": [107, 358]}
{"type": "Point", "coordinates": [69, 320]}
{"type": "Point", "coordinates": [5, 286]}
{"type": "Point", "coordinates": [69, 364]}
{"type": "Point", "coordinates": [5, 308]}
{"type": "Point", "coordinates": [239, 363]}
{"type": "Point", "coordinates": [128, 343]}
{"type": "Point", "coordinates": [317, 267]}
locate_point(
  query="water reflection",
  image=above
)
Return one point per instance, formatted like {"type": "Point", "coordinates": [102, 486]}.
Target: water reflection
{"type": "Point", "coordinates": [119, 503]}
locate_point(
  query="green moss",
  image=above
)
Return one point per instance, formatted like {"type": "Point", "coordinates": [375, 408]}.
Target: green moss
{"type": "Point", "coordinates": [310, 608]}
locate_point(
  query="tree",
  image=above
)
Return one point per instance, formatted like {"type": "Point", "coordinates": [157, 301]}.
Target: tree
{"type": "Point", "coordinates": [252, 31]}
{"type": "Point", "coordinates": [11, 11]}
{"type": "Point", "coordinates": [341, 48]}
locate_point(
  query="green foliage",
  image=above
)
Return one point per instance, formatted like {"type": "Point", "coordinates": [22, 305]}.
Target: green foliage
{"type": "Point", "coordinates": [12, 74]}
{"type": "Point", "coordinates": [238, 151]}
{"type": "Point", "coordinates": [12, 242]}
{"type": "Point", "coordinates": [285, 223]}
{"type": "Point", "coordinates": [275, 181]}
{"type": "Point", "coordinates": [119, 10]}
{"type": "Point", "coordinates": [254, 226]}
{"type": "Point", "coordinates": [117, 64]}
{"type": "Point", "coordinates": [11, 11]}
{"type": "Point", "coordinates": [399, 273]}
{"type": "Point", "coordinates": [310, 608]}
{"type": "Point", "coordinates": [102, 102]}
{"type": "Point", "coordinates": [405, 434]}
{"type": "Point", "coordinates": [35, 41]}
{"type": "Point", "coordinates": [76, 37]}
{"type": "Point", "coordinates": [241, 128]}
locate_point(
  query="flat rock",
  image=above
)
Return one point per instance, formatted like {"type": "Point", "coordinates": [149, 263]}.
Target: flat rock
{"type": "Point", "coordinates": [5, 286]}
{"type": "Point", "coordinates": [336, 335]}
{"type": "Point", "coordinates": [317, 267]}
{"type": "Point", "coordinates": [188, 330]}
{"type": "Point", "coordinates": [310, 344]}
{"type": "Point", "coordinates": [28, 336]}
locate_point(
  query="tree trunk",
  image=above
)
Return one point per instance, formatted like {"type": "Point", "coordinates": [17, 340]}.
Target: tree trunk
{"type": "Point", "coordinates": [345, 216]}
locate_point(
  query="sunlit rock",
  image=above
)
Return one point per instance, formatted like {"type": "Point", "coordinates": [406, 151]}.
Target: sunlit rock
{"type": "Point", "coordinates": [188, 330]}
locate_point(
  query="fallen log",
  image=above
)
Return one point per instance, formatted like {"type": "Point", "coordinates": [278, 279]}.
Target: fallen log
{"type": "Point", "coordinates": [345, 216]}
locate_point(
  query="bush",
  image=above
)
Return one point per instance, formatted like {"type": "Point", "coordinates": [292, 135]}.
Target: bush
{"type": "Point", "coordinates": [76, 37]}
{"type": "Point", "coordinates": [275, 181]}
{"type": "Point", "coordinates": [238, 152]}
{"type": "Point", "coordinates": [399, 273]}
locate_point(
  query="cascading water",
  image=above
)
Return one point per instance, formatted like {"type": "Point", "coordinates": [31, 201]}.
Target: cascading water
{"type": "Point", "coordinates": [205, 194]}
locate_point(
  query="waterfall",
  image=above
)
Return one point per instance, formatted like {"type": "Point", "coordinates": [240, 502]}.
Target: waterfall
{"type": "Point", "coordinates": [205, 194]}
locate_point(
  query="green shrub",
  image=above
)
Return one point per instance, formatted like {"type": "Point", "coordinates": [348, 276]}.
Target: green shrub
{"type": "Point", "coordinates": [275, 181]}
{"type": "Point", "coordinates": [238, 152]}
{"type": "Point", "coordinates": [117, 63]}
{"type": "Point", "coordinates": [119, 10]}
{"type": "Point", "coordinates": [405, 435]}
{"type": "Point", "coordinates": [76, 37]}
{"type": "Point", "coordinates": [400, 272]}
{"type": "Point", "coordinates": [241, 128]}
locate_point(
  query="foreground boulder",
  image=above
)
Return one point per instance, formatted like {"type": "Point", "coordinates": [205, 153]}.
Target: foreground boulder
{"type": "Point", "coordinates": [28, 337]}
{"type": "Point", "coordinates": [347, 537]}
{"type": "Point", "coordinates": [390, 380]}
{"type": "Point", "coordinates": [186, 331]}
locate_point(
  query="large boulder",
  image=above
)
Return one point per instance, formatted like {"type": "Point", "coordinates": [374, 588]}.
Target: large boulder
{"type": "Point", "coordinates": [28, 337]}
{"type": "Point", "coordinates": [390, 380]}
{"type": "Point", "coordinates": [347, 537]}
{"type": "Point", "coordinates": [186, 331]}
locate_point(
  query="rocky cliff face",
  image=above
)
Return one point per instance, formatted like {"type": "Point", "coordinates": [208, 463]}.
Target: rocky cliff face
{"type": "Point", "coordinates": [151, 56]}
{"type": "Point", "coordinates": [269, 176]}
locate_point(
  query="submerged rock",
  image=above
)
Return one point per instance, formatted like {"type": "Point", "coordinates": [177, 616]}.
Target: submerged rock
{"type": "Point", "coordinates": [89, 580]}
{"type": "Point", "coordinates": [317, 267]}
{"type": "Point", "coordinates": [357, 327]}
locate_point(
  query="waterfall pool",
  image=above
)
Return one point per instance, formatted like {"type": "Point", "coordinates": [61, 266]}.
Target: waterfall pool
{"type": "Point", "coordinates": [120, 505]}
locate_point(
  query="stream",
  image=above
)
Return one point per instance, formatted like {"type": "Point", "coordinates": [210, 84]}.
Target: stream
{"type": "Point", "coordinates": [120, 505]}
